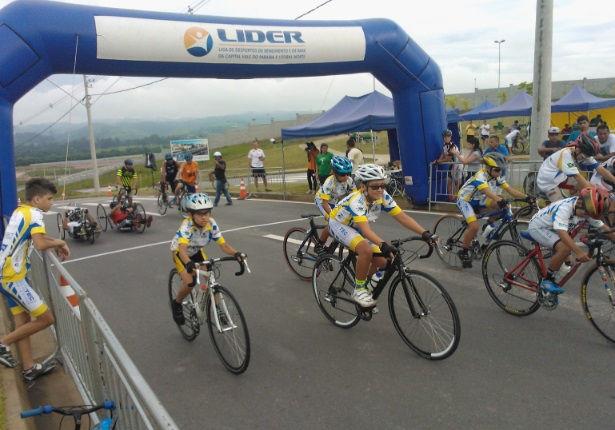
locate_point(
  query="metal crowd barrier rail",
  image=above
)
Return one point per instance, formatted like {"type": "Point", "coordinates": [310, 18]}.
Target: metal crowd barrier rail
{"type": "Point", "coordinates": [92, 354]}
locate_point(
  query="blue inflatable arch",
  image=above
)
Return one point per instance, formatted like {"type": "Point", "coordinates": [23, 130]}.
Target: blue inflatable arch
{"type": "Point", "coordinates": [41, 38]}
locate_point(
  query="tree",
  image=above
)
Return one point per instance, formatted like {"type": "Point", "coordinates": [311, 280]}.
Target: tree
{"type": "Point", "coordinates": [465, 104]}
{"type": "Point", "coordinates": [528, 87]}
{"type": "Point", "coordinates": [451, 101]}
{"type": "Point", "coordinates": [502, 97]}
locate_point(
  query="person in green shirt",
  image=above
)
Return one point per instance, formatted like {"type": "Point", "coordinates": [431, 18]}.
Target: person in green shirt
{"type": "Point", "coordinates": [323, 163]}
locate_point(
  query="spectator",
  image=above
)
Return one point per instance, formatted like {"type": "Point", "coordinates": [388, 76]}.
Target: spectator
{"type": "Point", "coordinates": [323, 163]}
{"type": "Point", "coordinates": [595, 121]}
{"type": "Point", "coordinates": [221, 182]}
{"type": "Point", "coordinates": [552, 144]}
{"type": "Point", "coordinates": [566, 132]}
{"type": "Point", "coordinates": [583, 128]}
{"type": "Point", "coordinates": [257, 164]}
{"type": "Point", "coordinates": [606, 141]}
{"type": "Point", "coordinates": [471, 157]}
{"type": "Point", "coordinates": [312, 153]}
{"type": "Point", "coordinates": [470, 131]}
{"type": "Point", "coordinates": [515, 125]}
{"type": "Point", "coordinates": [485, 131]}
{"type": "Point", "coordinates": [354, 154]}
{"type": "Point", "coordinates": [447, 156]}
{"type": "Point", "coordinates": [512, 137]}
{"type": "Point", "coordinates": [496, 146]}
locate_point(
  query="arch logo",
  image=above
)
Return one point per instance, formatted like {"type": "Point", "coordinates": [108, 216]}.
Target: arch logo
{"type": "Point", "coordinates": [198, 41]}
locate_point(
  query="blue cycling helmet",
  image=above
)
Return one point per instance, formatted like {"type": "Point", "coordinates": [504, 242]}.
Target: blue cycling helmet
{"type": "Point", "coordinates": [341, 165]}
{"type": "Point", "coordinates": [188, 156]}
{"type": "Point", "coordinates": [196, 202]}
{"type": "Point", "coordinates": [168, 156]}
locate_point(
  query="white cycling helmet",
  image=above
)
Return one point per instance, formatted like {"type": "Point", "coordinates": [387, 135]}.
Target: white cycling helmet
{"type": "Point", "coordinates": [217, 154]}
{"type": "Point", "coordinates": [370, 172]}
{"type": "Point", "coordinates": [197, 202]}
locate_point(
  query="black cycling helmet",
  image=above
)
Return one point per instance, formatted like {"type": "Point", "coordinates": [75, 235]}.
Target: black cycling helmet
{"type": "Point", "coordinates": [587, 145]}
{"type": "Point", "coordinates": [447, 132]}
{"type": "Point", "coordinates": [168, 156]}
{"type": "Point", "coordinates": [128, 162]}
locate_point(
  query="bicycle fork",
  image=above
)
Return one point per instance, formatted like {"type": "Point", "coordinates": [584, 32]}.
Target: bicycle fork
{"type": "Point", "coordinates": [606, 274]}
{"type": "Point", "coordinates": [220, 311]}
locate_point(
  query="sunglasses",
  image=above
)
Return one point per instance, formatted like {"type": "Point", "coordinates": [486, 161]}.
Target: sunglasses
{"type": "Point", "coordinates": [377, 187]}
{"type": "Point", "coordinates": [203, 212]}
{"type": "Point", "coordinates": [496, 169]}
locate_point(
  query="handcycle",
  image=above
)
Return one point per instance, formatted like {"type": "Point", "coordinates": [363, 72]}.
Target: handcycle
{"type": "Point", "coordinates": [76, 412]}
{"type": "Point", "coordinates": [422, 312]}
{"type": "Point", "coordinates": [512, 276]}
{"type": "Point", "coordinates": [451, 228]}
{"type": "Point", "coordinates": [211, 303]}
{"type": "Point", "coordinates": [85, 229]}
{"type": "Point", "coordinates": [301, 247]}
{"type": "Point", "coordinates": [136, 218]}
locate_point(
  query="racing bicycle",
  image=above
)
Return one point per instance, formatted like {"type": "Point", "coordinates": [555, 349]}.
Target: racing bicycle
{"type": "Point", "coordinates": [212, 304]}
{"type": "Point", "coordinates": [422, 312]}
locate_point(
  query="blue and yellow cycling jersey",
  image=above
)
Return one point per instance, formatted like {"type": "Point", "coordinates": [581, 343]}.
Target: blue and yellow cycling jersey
{"type": "Point", "coordinates": [17, 242]}
{"type": "Point", "coordinates": [480, 181]}
{"type": "Point", "coordinates": [126, 176]}
{"type": "Point", "coordinates": [354, 208]}
{"type": "Point", "coordinates": [196, 238]}
{"type": "Point", "coordinates": [333, 190]}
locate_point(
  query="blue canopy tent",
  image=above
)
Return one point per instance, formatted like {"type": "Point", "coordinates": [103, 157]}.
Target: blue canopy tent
{"type": "Point", "coordinates": [373, 111]}
{"type": "Point", "coordinates": [579, 100]}
{"type": "Point", "coordinates": [519, 105]}
{"type": "Point", "coordinates": [474, 113]}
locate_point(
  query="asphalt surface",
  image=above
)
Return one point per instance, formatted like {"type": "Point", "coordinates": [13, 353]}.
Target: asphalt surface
{"type": "Point", "coordinates": [547, 370]}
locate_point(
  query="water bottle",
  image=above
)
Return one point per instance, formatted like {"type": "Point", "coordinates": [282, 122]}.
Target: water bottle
{"type": "Point", "coordinates": [487, 231]}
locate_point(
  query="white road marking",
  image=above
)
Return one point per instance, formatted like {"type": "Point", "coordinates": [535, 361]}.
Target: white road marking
{"type": "Point", "coordinates": [281, 238]}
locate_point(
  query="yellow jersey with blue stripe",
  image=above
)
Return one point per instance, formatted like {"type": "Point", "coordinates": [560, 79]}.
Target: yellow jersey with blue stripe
{"type": "Point", "coordinates": [17, 242]}
{"type": "Point", "coordinates": [354, 208]}
{"type": "Point", "coordinates": [333, 190]}
{"type": "Point", "coordinates": [481, 180]}
{"type": "Point", "coordinates": [196, 238]}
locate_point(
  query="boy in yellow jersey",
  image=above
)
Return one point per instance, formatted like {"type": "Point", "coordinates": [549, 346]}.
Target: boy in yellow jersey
{"type": "Point", "coordinates": [187, 247]}
{"type": "Point", "coordinates": [26, 228]}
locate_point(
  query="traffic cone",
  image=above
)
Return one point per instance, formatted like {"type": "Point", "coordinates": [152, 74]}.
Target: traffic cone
{"type": "Point", "coordinates": [70, 296]}
{"type": "Point", "coordinates": [109, 191]}
{"type": "Point", "coordinates": [243, 192]}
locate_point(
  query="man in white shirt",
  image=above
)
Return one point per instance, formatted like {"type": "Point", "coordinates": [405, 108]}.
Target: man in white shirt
{"type": "Point", "coordinates": [485, 131]}
{"type": "Point", "coordinates": [354, 154]}
{"type": "Point", "coordinates": [606, 141]}
{"type": "Point", "coordinates": [257, 164]}
{"type": "Point", "coordinates": [511, 137]}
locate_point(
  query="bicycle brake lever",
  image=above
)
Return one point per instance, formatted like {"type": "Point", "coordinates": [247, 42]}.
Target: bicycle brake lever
{"type": "Point", "coordinates": [245, 261]}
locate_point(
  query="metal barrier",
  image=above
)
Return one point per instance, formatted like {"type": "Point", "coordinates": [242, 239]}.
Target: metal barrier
{"type": "Point", "coordinates": [92, 354]}
{"type": "Point", "coordinates": [277, 178]}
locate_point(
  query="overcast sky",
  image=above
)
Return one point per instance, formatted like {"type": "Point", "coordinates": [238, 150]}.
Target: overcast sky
{"type": "Point", "coordinates": [458, 34]}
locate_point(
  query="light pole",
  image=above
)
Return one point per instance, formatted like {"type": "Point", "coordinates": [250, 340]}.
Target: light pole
{"type": "Point", "coordinates": [499, 42]}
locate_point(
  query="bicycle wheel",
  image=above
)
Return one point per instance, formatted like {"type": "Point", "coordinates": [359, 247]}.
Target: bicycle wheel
{"type": "Point", "coordinates": [139, 218]}
{"type": "Point", "coordinates": [162, 204]}
{"type": "Point", "coordinates": [598, 300]}
{"type": "Point", "coordinates": [61, 230]}
{"type": "Point", "coordinates": [450, 230]}
{"type": "Point", "coordinates": [230, 338]}
{"type": "Point", "coordinates": [189, 330]}
{"type": "Point", "coordinates": [101, 217]}
{"type": "Point", "coordinates": [333, 285]}
{"type": "Point", "coordinates": [299, 252]}
{"type": "Point", "coordinates": [433, 329]}
{"type": "Point", "coordinates": [511, 279]}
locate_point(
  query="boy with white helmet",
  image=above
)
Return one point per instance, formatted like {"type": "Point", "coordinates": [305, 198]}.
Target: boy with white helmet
{"type": "Point", "coordinates": [349, 224]}
{"type": "Point", "coordinates": [187, 246]}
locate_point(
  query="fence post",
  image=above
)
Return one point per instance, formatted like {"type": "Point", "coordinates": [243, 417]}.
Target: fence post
{"type": "Point", "coordinates": [429, 187]}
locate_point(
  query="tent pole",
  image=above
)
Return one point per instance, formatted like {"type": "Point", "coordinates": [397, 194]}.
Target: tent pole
{"type": "Point", "coordinates": [283, 172]}
{"type": "Point", "coordinates": [373, 146]}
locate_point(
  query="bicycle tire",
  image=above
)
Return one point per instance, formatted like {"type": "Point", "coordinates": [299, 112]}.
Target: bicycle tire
{"type": "Point", "coordinates": [299, 256]}
{"type": "Point", "coordinates": [101, 217]}
{"type": "Point", "coordinates": [334, 294]}
{"type": "Point", "coordinates": [597, 305]}
{"type": "Point", "coordinates": [447, 246]}
{"type": "Point", "coordinates": [162, 205]}
{"type": "Point", "coordinates": [238, 359]}
{"type": "Point", "coordinates": [427, 335]}
{"type": "Point", "coordinates": [497, 260]}
{"type": "Point", "coordinates": [139, 219]}
{"type": "Point", "coordinates": [189, 330]}
{"type": "Point", "coordinates": [518, 148]}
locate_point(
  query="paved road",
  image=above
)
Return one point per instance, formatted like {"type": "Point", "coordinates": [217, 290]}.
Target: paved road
{"type": "Point", "coordinates": [549, 370]}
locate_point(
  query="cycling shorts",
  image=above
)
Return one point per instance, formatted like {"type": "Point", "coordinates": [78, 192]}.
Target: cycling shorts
{"type": "Point", "coordinates": [199, 257]}
{"type": "Point", "coordinates": [21, 297]}
{"type": "Point", "coordinates": [545, 237]}
{"type": "Point", "coordinates": [190, 189]}
{"type": "Point", "coordinates": [469, 209]}
{"type": "Point", "coordinates": [347, 235]}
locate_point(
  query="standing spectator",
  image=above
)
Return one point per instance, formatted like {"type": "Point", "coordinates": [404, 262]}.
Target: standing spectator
{"type": "Point", "coordinates": [470, 131]}
{"type": "Point", "coordinates": [221, 182]}
{"type": "Point", "coordinates": [552, 144]}
{"type": "Point", "coordinates": [496, 146]}
{"type": "Point", "coordinates": [25, 230]}
{"type": "Point", "coordinates": [354, 154]}
{"type": "Point", "coordinates": [606, 141]}
{"type": "Point", "coordinates": [312, 153]}
{"type": "Point", "coordinates": [566, 132]}
{"type": "Point", "coordinates": [595, 121]}
{"type": "Point", "coordinates": [323, 163]}
{"type": "Point", "coordinates": [257, 164]}
{"type": "Point", "coordinates": [471, 158]}
{"type": "Point", "coordinates": [512, 137]}
{"type": "Point", "coordinates": [485, 131]}
{"type": "Point", "coordinates": [583, 128]}
{"type": "Point", "coordinates": [447, 156]}
{"type": "Point", "coordinates": [515, 125]}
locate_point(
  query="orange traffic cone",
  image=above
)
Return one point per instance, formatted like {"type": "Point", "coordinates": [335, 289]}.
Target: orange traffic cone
{"type": "Point", "coordinates": [243, 192]}
{"type": "Point", "coordinates": [109, 191]}
{"type": "Point", "coordinates": [70, 296]}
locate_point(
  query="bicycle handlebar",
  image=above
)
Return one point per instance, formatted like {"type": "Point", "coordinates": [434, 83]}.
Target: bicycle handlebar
{"type": "Point", "coordinates": [67, 410]}
{"type": "Point", "coordinates": [243, 264]}
{"type": "Point", "coordinates": [397, 243]}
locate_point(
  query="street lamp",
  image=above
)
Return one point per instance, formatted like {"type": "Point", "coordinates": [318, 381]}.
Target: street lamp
{"type": "Point", "coordinates": [499, 42]}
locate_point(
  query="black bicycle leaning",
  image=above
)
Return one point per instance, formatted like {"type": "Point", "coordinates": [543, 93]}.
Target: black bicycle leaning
{"type": "Point", "coordinates": [301, 248]}
{"type": "Point", "coordinates": [422, 312]}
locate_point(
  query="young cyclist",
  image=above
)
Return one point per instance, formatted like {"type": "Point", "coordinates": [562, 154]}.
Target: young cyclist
{"type": "Point", "coordinates": [550, 227]}
{"type": "Point", "coordinates": [335, 187]}
{"type": "Point", "coordinates": [126, 177]}
{"type": "Point", "coordinates": [187, 247]}
{"type": "Point", "coordinates": [349, 224]}
{"type": "Point", "coordinates": [480, 193]}
{"type": "Point", "coordinates": [188, 175]}
{"type": "Point", "coordinates": [168, 173]}
{"type": "Point", "coordinates": [557, 170]}
{"type": "Point", "coordinates": [24, 230]}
